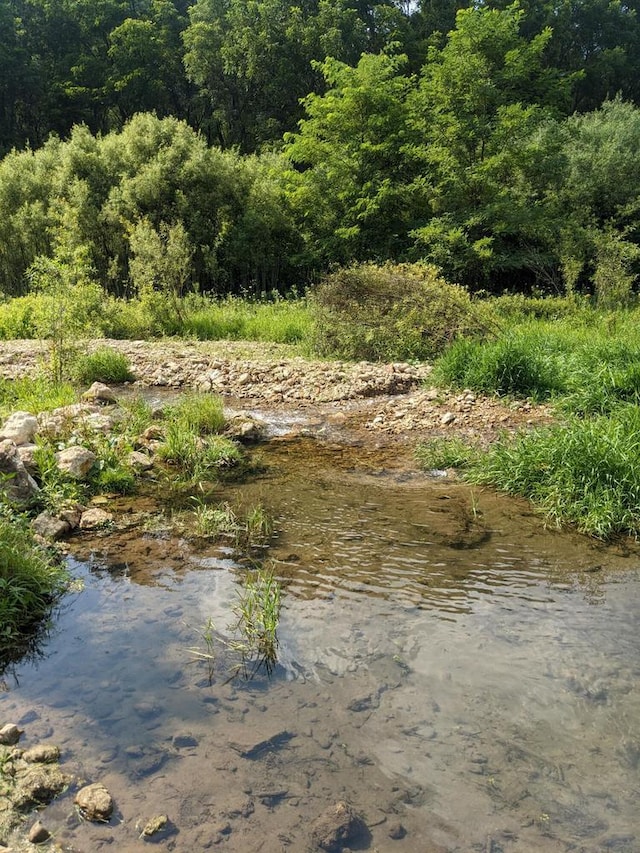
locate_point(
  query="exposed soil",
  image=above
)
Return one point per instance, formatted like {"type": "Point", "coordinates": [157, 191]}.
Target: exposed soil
{"type": "Point", "coordinates": [387, 402]}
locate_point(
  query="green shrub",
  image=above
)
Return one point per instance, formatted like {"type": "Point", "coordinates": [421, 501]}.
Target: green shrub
{"type": "Point", "coordinates": [385, 313]}
{"type": "Point", "coordinates": [584, 472]}
{"type": "Point", "coordinates": [30, 580]}
{"type": "Point", "coordinates": [104, 365]}
{"type": "Point", "coordinates": [17, 318]}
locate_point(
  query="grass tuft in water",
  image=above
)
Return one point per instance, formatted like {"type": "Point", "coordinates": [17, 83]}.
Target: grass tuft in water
{"type": "Point", "coordinates": [258, 617]}
{"type": "Point", "coordinates": [445, 452]}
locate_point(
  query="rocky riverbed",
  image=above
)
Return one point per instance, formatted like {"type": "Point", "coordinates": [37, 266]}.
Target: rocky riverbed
{"type": "Point", "coordinates": [388, 402]}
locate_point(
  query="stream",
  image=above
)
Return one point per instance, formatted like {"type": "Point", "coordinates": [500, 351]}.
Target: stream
{"type": "Point", "coordinates": [464, 678]}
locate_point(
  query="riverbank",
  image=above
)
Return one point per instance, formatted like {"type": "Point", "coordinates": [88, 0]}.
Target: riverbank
{"type": "Point", "coordinates": [384, 402]}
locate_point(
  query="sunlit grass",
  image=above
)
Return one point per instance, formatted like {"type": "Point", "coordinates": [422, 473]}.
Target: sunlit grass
{"type": "Point", "coordinates": [585, 472]}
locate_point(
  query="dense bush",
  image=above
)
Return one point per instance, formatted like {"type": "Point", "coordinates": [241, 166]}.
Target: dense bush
{"type": "Point", "coordinates": [391, 312]}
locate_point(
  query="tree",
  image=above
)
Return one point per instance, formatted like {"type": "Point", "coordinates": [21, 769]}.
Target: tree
{"type": "Point", "coordinates": [354, 187]}
{"type": "Point", "coordinates": [480, 100]}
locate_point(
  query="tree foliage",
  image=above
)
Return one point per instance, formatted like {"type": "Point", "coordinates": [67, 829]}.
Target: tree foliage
{"type": "Point", "coordinates": [498, 141]}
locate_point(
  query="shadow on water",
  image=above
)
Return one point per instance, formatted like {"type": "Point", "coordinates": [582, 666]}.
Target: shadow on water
{"type": "Point", "coordinates": [464, 678]}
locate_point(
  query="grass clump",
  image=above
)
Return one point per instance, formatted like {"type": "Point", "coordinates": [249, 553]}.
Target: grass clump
{"type": "Point", "coordinates": [197, 457]}
{"type": "Point", "coordinates": [257, 618]}
{"type": "Point", "coordinates": [31, 580]}
{"type": "Point", "coordinates": [37, 394]}
{"type": "Point", "coordinates": [198, 413]}
{"type": "Point", "coordinates": [585, 472]}
{"type": "Point", "coordinates": [104, 365]}
{"type": "Point", "coordinates": [392, 312]}
{"type": "Point", "coordinates": [445, 452]}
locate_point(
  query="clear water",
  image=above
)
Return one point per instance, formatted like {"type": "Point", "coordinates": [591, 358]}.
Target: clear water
{"type": "Point", "coordinates": [446, 664]}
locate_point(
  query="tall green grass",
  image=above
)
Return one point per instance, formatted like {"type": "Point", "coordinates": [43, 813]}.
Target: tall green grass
{"type": "Point", "coordinates": [585, 472]}
{"type": "Point", "coordinates": [278, 320]}
{"type": "Point", "coordinates": [587, 363]}
{"type": "Point", "coordinates": [30, 580]}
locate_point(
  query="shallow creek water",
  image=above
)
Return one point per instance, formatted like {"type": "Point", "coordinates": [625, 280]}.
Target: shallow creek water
{"type": "Point", "coordinates": [446, 664]}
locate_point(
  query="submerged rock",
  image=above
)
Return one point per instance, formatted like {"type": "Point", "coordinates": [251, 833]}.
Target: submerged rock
{"type": "Point", "coordinates": [155, 825]}
{"type": "Point", "coordinates": [38, 833]}
{"type": "Point", "coordinates": [94, 518]}
{"type": "Point", "coordinates": [95, 802]}
{"type": "Point", "coordinates": [10, 734]}
{"type": "Point", "coordinates": [43, 753]}
{"type": "Point", "coordinates": [336, 827]}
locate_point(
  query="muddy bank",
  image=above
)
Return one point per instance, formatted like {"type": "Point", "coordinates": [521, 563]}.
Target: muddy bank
{"type": "Point", "coordinates": [388, 402]}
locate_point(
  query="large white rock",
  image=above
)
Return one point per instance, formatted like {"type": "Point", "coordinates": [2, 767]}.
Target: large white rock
{"type": "Point", "coordinates": [20, 428]}
{"type": "Point", "coordinates": [76, 461]}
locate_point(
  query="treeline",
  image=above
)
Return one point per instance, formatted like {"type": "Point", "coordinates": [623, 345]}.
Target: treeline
{"type": "Point", "coordinates": [236, 70]}
{"type": "Point", "coordinates": [501, 152]}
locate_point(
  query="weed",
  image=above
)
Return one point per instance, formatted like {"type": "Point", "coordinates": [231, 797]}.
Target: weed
{"type": "Point", "coordinates": [137, 415]}
{"type": "Point", "coordinates": [257, 618]}
{"type": "Point", "coordinates": [198, 458]}
{"type": "Point", "coordinates": [214, 521]}
{"type": "Point", "coordinates": [256, 529]}
{"type": "Point", "coordinates": [57, 491]}
{"type": "Point", "coordinates": [104, 365]}
{"type": "Point", "coordinates": [200, 414]}
{"type": "Point", "coordinates": [35, 395]}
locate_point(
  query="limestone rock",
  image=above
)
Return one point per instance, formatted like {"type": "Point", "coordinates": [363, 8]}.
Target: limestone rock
{"type": "Point", "coordinates": [139, 461]}
{"type": "Point", "coordinates": [95, 802]}
{"type": "Point", "coordinates": [26, 452]}
{"type": "Point", "coordinates": [76, 461]}
{"type": "Point", "coordinates": [20, 428]}
{"type": "Point", "coordinates": [94, 518]}
{"type": "Point", "coordinates": [245, 427]}
{"type": "Point", "coordinates": [50, 527]}
{"type": "Point", "coordinates": [20, 488]}
{"type": "Point", "coordinates": [336, 827]}
{"type": "Point", "coordinates": [10, 734]}
{"type": "Point", "coordinates": [447, 418]}
{"type": "Point", "coordinates": [99, 391]}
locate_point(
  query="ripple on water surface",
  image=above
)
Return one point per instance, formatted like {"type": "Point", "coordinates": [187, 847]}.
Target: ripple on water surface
{"type": "Point", "coordinates": [445, 664]}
